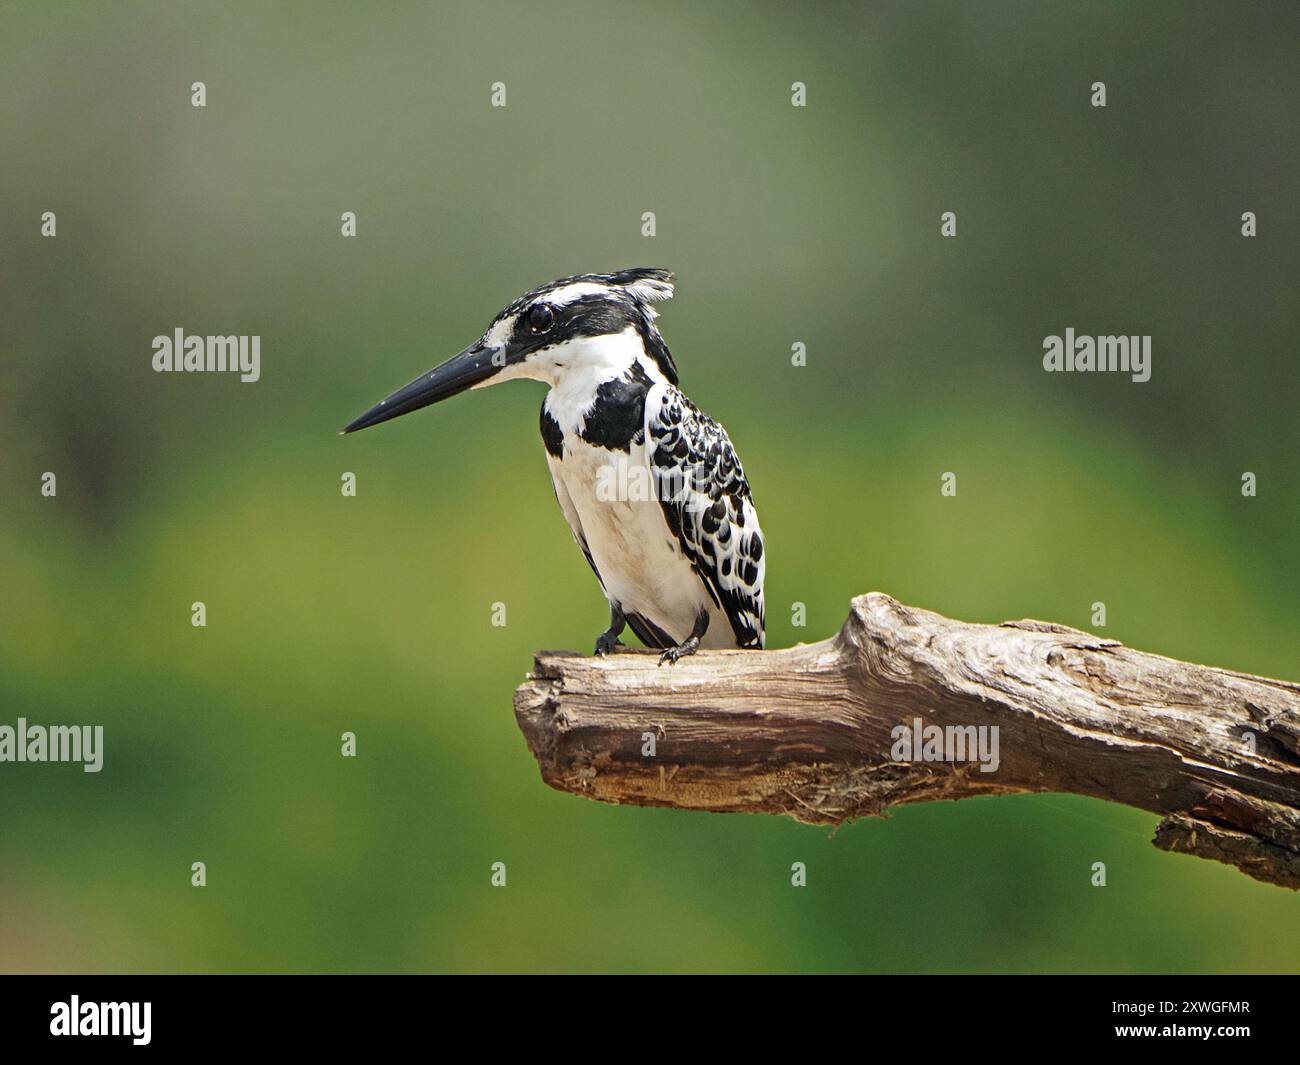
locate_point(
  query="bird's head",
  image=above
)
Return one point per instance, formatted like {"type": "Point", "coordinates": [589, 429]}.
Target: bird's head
{"type": "Point", "coordinates": [589, 325]}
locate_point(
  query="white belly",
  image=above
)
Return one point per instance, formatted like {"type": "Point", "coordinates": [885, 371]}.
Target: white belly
{"type": "Point", "coordinates": [639, 560]}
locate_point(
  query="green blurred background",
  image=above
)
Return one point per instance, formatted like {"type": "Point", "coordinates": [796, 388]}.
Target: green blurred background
{"type": "Point", "coordinates": [372, 614]}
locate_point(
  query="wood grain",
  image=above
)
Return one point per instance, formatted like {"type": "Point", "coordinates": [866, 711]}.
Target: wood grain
{"type": "Point", "coordinates": [807, 732]}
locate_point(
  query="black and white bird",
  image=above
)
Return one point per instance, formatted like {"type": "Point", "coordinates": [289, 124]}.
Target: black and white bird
{"type": "Point", "coordinates": [651, 487]}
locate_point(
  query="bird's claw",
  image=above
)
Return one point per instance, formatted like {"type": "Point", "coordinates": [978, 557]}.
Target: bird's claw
{"type": "Point", "coordinates": [680, 651]}
{"type": "Point", "coordinates": [606, 644]}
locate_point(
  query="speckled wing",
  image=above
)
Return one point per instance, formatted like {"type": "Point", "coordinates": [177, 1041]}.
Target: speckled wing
{"type": "Point", "coordinates": [701, 487]}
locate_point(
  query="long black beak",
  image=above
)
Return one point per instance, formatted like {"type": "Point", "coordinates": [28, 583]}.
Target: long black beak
{"type": "Point", "coordinates": [453, 377]}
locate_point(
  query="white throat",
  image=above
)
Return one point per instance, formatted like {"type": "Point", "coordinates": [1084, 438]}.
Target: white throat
{"type": "Point", "coordinates": [577, 369]}
{"type": "Point", "coordinates": [579, 365]}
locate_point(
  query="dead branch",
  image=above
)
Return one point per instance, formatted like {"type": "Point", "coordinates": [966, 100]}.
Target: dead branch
{"type": "Point", "coordinates": [815, 731]}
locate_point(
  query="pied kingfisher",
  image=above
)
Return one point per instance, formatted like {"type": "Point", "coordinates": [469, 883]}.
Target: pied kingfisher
{"type": "Point", "coordinates": [651, 486]}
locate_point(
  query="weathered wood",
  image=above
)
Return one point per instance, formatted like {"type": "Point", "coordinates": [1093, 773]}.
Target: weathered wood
{"type": "Point", "coordinates": [808, 731]}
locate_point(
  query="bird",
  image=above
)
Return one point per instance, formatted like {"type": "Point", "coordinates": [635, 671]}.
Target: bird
{"type": "Point", "coordinates": [651, 486]}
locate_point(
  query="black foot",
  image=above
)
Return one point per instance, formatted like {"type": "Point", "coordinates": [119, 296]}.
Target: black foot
{"type": "Point", "coordinates": [671, 655]}
{"type": "Point", "coordinates": [607, 643]}
{"type": "Point", "coordinates": [692, 642]}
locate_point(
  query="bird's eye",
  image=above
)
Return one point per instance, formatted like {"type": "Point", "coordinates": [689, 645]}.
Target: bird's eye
{"type": "Point", "coordinates": [540, 318]}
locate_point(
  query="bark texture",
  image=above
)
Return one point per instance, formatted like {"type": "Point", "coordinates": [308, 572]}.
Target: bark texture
{"type": "Point", "coordinates": [808, 731]}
